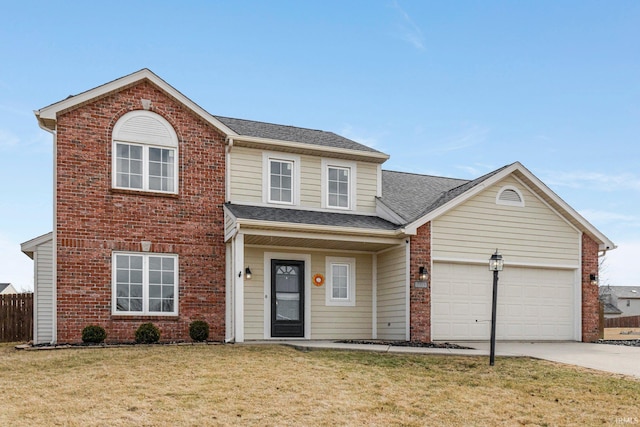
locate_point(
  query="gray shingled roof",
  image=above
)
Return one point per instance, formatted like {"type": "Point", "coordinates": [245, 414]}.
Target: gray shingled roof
{"type": "Point", "coordinates": [611, 309]}
{"type": "Point", "coordinates": [309, 217]}
{"type": "Point", "coordinates": [292, 134]}
{"type": "Point", "coordinates": [622, 291]}
{"type": "Point", "coordinates": [413, 196]}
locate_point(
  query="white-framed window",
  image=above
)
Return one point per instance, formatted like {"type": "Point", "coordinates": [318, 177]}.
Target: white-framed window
{"type": "Point", "coordinates": [340, 281]}
{"type": "Point", "coordinates": [281, 178]}
{"type": "Point", "coordinates": [145, 284]}
{"type": "Point", "coordinates": [338, 184]}
{"type": "Point", "coordinates": [145, 153]}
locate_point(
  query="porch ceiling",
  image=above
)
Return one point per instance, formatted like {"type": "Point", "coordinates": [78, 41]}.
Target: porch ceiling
{"type": "Point", "coordinates": [321, 243]}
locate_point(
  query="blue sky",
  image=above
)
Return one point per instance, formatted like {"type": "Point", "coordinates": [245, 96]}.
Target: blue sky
{"type": "Point", "coordinates": [446, 88]}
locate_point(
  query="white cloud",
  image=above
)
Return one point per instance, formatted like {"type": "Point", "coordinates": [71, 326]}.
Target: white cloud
{"type": "Point", "coordinates": [15, 267]}
{"type": "Point", "coordinates": [622, 266]}
{"type": "Point", "coordinates": [360, 136]}
{"type": "Point", "coordinates": [467, 137]}
{"type": "Point", "coordinates": [8, 140]}
{"type": "Point", "coordinates": [606, 217]}
{"type": "Point", "coordinates": [593, 180]}
{"type": "Point", "coordinates": [408, 30]}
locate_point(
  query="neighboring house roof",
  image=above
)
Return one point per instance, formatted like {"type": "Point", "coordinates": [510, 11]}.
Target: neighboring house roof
{"type": "Point", "coordinates": [7, 288]}
{"type": "Point", "coordinates": [296, 216]}
{"type": "Point", "coordinates": [611, 309]}
{"type": "Point", "coordinates": [292, 134]}
{"type": "Point", "coordinates": [627, 292]}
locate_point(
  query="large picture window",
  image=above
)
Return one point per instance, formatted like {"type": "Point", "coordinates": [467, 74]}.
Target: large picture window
{"type": "Point", "coordinates": [145, 284]}
{"type": "Point", "coordinates": [145, 153]}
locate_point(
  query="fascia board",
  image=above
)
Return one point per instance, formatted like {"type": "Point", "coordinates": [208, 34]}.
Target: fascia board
{"type": "Point", "coordinates": [317, 229]}
{"type": "Point", "coordinates": [327, 236]}
{"type": "Point", "coordinates": [301, 146]}
{"type": "Point", "coordinates": [48, 114]}
{"type": "Point", "coordinates": [605, 243]}
{"type": "Point", "coordinates": [29, 246]}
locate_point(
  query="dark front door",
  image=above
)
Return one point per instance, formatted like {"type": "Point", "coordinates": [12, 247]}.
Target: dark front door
{"type": "Point", "coordinates": [287, 298]}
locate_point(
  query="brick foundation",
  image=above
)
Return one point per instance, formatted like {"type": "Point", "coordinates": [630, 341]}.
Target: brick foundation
{"type": "Point", "coordinates": [92, 220]}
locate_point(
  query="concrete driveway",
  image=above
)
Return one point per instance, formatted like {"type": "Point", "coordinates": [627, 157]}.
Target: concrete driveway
{"type": "Point", "coordinates": [617, 359]}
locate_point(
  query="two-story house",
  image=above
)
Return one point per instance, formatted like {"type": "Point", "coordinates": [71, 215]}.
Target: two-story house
{"type": "Point", "coordinates": [166, 213]}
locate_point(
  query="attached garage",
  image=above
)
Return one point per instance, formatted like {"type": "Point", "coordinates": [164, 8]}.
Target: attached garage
{"type": "Point", "coordinates": [533, 303]}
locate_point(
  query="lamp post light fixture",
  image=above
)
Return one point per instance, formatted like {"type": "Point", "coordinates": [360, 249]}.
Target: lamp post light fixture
{"type": "Point", "coordinates": [496, 263]}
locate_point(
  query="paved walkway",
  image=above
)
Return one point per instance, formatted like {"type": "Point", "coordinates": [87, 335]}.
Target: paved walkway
{"type": "Point", "coordinates": [615, 359]}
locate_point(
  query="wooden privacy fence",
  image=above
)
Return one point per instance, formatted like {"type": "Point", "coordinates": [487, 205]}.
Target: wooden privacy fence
{"type": "Point", "coordinates": [16, 317]}
{"type": "Point", "coordinates": [622, 322]}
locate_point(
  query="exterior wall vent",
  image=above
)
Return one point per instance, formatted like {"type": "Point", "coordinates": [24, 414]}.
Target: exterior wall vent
{"type": "Point", "coordinates": [510, 196]}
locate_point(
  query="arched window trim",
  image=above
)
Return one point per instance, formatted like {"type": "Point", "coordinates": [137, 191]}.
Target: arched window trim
{"type": "Point", "coordinates": [151, 139]}
{"type": "Point", "coordinates": [507, 202]}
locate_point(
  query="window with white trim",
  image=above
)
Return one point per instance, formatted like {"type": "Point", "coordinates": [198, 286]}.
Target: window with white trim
{"type": "Point", "coordinates": [340, 281]}
{"type": "Point", "coordinates": [145, 153]}
{"type": "Point", "coordinates": [280, 181]}
{"type": "Point", "coordinates": [338, 184]}
{"type": "Point", "coordinates": [145, 284]}
{"type": "Point", "coordinates": [281, 178]}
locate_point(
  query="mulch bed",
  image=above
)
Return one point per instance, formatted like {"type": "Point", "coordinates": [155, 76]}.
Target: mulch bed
{"type": "Point", "coordinates": [407, 344]}
{"type": "Point", "coordinates": [628, 343]}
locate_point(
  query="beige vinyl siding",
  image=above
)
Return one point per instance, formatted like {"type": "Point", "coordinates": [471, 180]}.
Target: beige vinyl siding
{"type": "Point", "coordinates": [229, 223]}
{"type": "Point", "coordinates": [327, 322]}
{"type": "Point", "coordinates": [392, 294]}
{"type": "Point", "coordinates": [331, 322]}
{"type": "Point", "coordinates": [254, 295]}
{"type": "Point", "coordinates": [367, 187]}
{"type": "Point", "coordinates": [530, 234]}
{"type": "Point", "coordinates": [44, 300]}
{"type": "Point", "coordinates": [246, 175]}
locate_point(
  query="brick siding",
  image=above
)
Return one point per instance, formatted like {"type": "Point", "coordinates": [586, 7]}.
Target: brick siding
{"type": "Point", "coordinates": [93, 220]}
{"type": "Point", "coordinates": [590, 301]}
{"type": "Point", "coordinates": [420, 298]}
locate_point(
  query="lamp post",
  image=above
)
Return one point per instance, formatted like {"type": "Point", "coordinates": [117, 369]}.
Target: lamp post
{"type": "Point", "coordinates": [495, 264]}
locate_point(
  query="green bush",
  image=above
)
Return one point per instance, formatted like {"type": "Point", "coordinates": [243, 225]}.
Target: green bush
{"type": "Point", "coordinates": [93, 334]}
{"type": "Point", "coordinates": [147, 333]}
{"type": "Point", "coordinates": [199, 330]}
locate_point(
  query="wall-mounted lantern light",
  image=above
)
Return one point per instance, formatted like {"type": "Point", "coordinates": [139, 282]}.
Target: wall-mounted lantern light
{"type": "Point", "coordinates": [247, 273]}
{"type": "Point", "coordinates": [594, 279]}
{"type": "Point", "coordinates": [423, 274]}
{"type": "Point", "coordinates": [496, 263]}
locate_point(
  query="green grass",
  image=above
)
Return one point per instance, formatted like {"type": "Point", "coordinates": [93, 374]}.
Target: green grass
{"type": "Point", "coordinates": [273, 385]}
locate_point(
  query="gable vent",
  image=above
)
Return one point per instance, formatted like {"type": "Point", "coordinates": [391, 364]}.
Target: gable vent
{"type": "Point", "coordinates": [510, 196]}
{"type": "Point", "coordinates": [145, 127]}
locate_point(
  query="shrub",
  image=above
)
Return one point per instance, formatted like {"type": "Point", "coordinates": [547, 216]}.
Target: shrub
{"type": "Point", "coordinates": [199, 330]}
{"type": "Point", "coordinates": [93, 334]}
{"type": "Point", "coordinates": [147, 333]}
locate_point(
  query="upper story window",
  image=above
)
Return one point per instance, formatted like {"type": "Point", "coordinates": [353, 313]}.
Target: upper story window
{"type": "Point", "coordinates": [338, 184]}
{"type": "Point", "coordinates": [281, 178]}
{"type": "Point", "coordinates": [145, 153]}
{"type": "Point", "coordinates": [510, 196]}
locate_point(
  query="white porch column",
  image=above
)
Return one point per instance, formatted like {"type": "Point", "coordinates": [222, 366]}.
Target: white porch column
{"type": "Point", "coordinates": [238, 279]}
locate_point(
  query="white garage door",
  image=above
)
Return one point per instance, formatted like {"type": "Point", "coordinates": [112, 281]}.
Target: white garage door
{"type": "Point", "coordinates": [533, 303]}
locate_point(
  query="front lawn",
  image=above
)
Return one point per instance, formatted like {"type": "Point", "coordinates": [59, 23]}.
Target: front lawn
{"type": "Point", "coordinates": [270, 385]}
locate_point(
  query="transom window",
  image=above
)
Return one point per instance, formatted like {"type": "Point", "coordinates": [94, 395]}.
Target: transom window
{"type": "Point", "coordinates": [145, 152]}
{"type": "Point", "coordinates": [341, 282]}
{"type": "Point", "coordinates": [280, 181]}
{"type": "Point", "coordinates": [145, 284]}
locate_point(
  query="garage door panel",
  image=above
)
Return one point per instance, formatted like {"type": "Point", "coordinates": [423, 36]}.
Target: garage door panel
{"type": "Point", "coordinates": [533, 303]}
